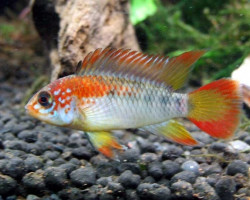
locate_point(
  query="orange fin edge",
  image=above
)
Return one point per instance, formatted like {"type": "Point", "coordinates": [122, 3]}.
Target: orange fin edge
{"type": "Point", "coordinates": [104, 142]}
{"type": "Point", "coordinates": [215, 108]}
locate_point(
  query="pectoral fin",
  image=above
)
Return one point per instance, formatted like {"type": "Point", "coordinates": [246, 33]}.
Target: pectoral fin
{"type": "Point", "coordinates": [104, 142]}
{"type": "Point", "coordinates": [172, 130]}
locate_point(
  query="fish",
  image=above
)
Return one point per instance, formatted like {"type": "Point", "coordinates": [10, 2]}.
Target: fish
{"type": "Point", "coordinates": [117, 89]}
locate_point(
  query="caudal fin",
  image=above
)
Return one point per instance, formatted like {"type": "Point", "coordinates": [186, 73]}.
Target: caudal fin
{"type": "Point", "coordinates": [215, 108]}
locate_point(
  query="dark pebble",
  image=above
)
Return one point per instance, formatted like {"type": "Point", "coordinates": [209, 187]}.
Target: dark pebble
{"type": "Point", "coordinates": [155, 170]}
{"type": "Point", "coordinates": [130, 155]}
{"type": "Point", "coordinates": [52, 197]}
{"type": "Point", "coordinates": [106, 169]}
{"type": "Point", "coordinates": [66, 155]}
{"type": "Point", "coordinates": [51, 155]}
{"type": "Point", "coordinates": [197, 156]}
{"type": "Point", "coordinates": [34, 148]}
{"type": "Point", "coordinates": [172, 153]}
{"type": "Point", "coordinates": [71, 194]}
{"type": "Point", "coordinates": [116, 188]}
{"type": "Point", "coordinates": [75, 161]}
{"type": "Point", "coordinates": [237, 166]}
{"type": "Point", "coordinates": [32, 197]}
{"type": "Point", "coordinates": [131, 195]}
{"type": "Point", "coordinates": [180, 160]}
{"type": "Point", "coordinates": [148, 179]}
{"type": "Point", "coordinates": [218, 147]}
{"type": "Point", "coordinates": [146, 146]}
{"type": "Point", "coordinates": [34, 181]}
{"type": "Point", "coordinates": [149, 157]}
{"type": "Point", "coordinates": [60, 139]}
{"type": "Point", "coordinates": [212, 179]}
{"type": "Point", "coordinates": [49, 163]}
{"type": "Point", "coordinates": [82, 153]}
{"type": "Point", "coordinates": [105, 194]}
{"type": "Point", "coordinates": [68, 167]}
{"type": "Point", "coordinates": [59, 161]}
{"type": "Point", "coordinates": [240, 180]}
{"type": "Point", "coordinates": [28, 136]}
{"type": "Point", "coordinates": [203, 190]}
{"type": "Point", "coordinates": [182, 190]}
{"type": "Point", "coordinates": [92, 193]}
{"type": "Point", "coordinates": [1, 144]}
{"type": "Point", "coordinates": [33, 163]}
{"type": "Point", "coordinates": [2, 155]}
{"type": "Point", "coordinates": [153, 191]}
{"type": "Point", "coordinates": [243, 135]}
{"type": "Point", "coordinates": [104, 181]}
{"type": "Point", "coordinates": [203, 138]}
{"type": "Point", "coordinates": [8, 136]}
{"type": "Point", "coordinates": [225, 188]}
{"type": "Point", "coordinates": [10, 153]}
{"type": "Point", "coordinates": [134, 167]}
{"type": "Point", "coordinates": [12, 197]}
{"type": "Point", "coordinates": [16, 128]}
{"type": "Point", "coordinates": [7, 184]}
{"type": "Point", "coordinates": [244, 192]}
{"type": "Point", "coordinates": [184, 176]}
{"type": "Point", "coordinates": [83, 177]}
{"type": "Point", "coordinates": [247, 140]}
{"type": "Point", "coordinates": [46, 135]}
{"type": "Point", "coordinates": [16, 145]}
{"type": "Point", "coordinates": [55, 177]}
{"type": "Point", "coordinates": [58, 147]}
{"type": "Point", "coordinates": [73, 144]}
{"type": "Point", "coordinates": [15, 168]}
{"type": "Point", "coordinates": [164, 182]}
{"type": "Point", "coordinates": [98, 159]}
{"type": "Point", "coordinates": [170, 168]}
{"type": "Point", "coordinates": [214, 168]}
{"type": "Point", "coordinates": [129, 180]}
{"type": "Point", "coordinates": [247, 158]}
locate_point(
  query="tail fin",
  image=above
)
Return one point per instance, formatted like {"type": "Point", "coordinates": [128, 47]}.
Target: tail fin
{"type": "Point", "coordinates": [215, 108]}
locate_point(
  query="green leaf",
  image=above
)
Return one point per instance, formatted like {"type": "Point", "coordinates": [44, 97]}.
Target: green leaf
{"type": "Point", "coordinates": [141, 9]}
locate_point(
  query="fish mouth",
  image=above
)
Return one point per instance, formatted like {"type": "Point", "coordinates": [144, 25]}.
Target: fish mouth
{"type": "Point", "coordinates": [29, 110]}
{"type": "Point", "coordinates": [26, 107]}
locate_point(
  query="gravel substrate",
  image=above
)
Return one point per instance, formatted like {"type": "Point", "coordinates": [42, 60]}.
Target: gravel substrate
{"type": "Point", "coordinates": [39, 161]}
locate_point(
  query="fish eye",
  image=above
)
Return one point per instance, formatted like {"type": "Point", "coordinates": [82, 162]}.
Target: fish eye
{"type": "Point", "coordinates": [45, 99]}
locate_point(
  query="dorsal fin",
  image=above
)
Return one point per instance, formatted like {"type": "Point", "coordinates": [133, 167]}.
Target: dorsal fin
{"type": "Point", "coordinates": [172, 72]}
{"type": "Point", "coordinates": [78, 67]}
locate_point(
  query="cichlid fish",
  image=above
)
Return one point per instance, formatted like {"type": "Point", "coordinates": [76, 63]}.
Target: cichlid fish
{"type": "Point", "coordinates": [121, 89]}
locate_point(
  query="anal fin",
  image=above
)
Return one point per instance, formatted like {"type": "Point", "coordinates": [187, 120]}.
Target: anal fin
{"type": "Point", "coordinates": [172, 130]}
{"type": "Point", "coordinates": [104, 142]}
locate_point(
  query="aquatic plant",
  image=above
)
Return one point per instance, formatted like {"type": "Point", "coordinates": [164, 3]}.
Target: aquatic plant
{"type": "Point", "coordinates": [222, 28]}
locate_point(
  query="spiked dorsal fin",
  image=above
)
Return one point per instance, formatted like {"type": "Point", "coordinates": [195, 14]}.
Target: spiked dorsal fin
{"type": "Point", "coordinates": [172, 72]}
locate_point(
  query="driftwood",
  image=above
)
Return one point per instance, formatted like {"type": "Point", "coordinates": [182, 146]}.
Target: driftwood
{"type": "Point", "coordinates": [72, 28]}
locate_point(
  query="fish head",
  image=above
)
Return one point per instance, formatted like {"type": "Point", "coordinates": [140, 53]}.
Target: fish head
{"type": "Point", "coordinates": [53, 104]}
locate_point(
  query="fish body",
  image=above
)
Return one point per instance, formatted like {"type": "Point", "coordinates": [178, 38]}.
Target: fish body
{"type": "Point", "coordinates": [121, 89]}
{"type": "Point", "coordinates": [107, 103]}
